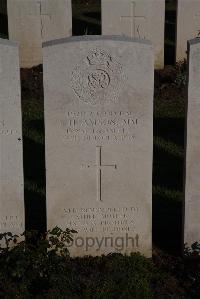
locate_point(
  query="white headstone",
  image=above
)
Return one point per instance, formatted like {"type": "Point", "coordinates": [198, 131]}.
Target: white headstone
{"type": "Point", "coordinates": [188, 25]}
{"type": "Point", "coordinates": [192, 163]}
{"type": "Point", "coordinates": [139, 19]}
{"type": "Point", "coordinates": [32, 22]}
{"type": "Point", "coordinates": [11, 160]}
{"type": "Point", "coordinates": [99, 136]}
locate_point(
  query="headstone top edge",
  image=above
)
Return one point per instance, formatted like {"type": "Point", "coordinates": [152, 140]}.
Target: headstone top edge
{"type": "Point", "coordinates": [95, 38]}
{"type": "Point", "coordinates": [194, 41]}
{"type": "Point", "coordinates": [8, 43]}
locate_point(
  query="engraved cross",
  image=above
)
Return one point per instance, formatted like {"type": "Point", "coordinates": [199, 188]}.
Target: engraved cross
{"type": "Point", "coordinates": [99, 166]}
{"type": "Point", "coordinates": [133, 17]}
{"type": "Point", "coordinates": [42, 16]}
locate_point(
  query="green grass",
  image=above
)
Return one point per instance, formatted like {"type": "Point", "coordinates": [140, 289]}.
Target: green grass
{"type": "Point", "coordinates": [86, 17]}
{"type": "Point", "coordinates": [34, 150]}
{"type": "Point", "coordinates": [32, 113]}
{"type": "Point", "coordinates": [168, 165]}
{"type": "Point", "coordinates": [169, 147]}
{"type": "Point", "coordinates": [171, 5]}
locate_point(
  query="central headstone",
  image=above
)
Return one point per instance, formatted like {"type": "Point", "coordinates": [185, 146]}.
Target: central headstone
{"type": "Point", "coordinates": [11, 159]}
{"type": "Point", "coordinates": [99, 140]}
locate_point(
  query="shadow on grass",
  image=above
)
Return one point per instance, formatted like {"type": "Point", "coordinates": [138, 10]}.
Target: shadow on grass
{"type": "Point", "coordinates": [170, 32]}
{"type": "Point", "coordinates": [167, 224]}
{"type": "Point", "coordinates": [38, 125]}
{"type": "Point", "coordinates": [3, 26]}
{"type": "Point", "coordinates": [170, 129]}
{"type": "Point", "coordinates": [86, 18]}
{"type": "Point", "coordinates": [33, 148]}
{"type": "Point", "coordinates": [168, 184]}
{"type": "Point", "coordinates": [35, 211]}
{"type": "Point", "coordinates": [34, 172]}
{"type": "Point", "coordinates": [82, 27]}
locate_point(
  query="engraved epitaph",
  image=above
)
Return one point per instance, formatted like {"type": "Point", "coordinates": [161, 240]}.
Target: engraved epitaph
{"type": "Point", "coordinates": [11, 162]}
{"type": "Point", "coordinates": [97, 107]}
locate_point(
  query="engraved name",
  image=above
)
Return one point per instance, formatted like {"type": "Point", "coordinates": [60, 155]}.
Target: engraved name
{"type": "Point", "coordinates": [100, 125]}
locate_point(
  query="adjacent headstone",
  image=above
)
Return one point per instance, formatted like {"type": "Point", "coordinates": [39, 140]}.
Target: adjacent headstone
{"type": "Point", "coordinates": [11, 160]}
{"type": "Point", "coordinates": [99, 136]}
{"type": "Point", "coordinates": [192, 163]}
{"type": "Point", "coordinates": [188, 25]}
{"type": "Point", "coordinates": [142, 19]}
{"type": "Point", "coordinates": [32, 22]}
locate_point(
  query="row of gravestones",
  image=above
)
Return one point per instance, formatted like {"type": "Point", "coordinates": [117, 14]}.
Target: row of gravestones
{"type": "Point", "coordinates": [98, 95]}
{"type": "Point", "coordinates": [32, 22]}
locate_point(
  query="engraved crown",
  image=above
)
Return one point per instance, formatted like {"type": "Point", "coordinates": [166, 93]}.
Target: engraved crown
{"type": "Point", "coordinates": [97, 57]}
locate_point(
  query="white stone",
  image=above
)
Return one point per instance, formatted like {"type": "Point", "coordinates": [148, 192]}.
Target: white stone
{"type": "Point", "coordinates": [99, 139]}
{"type": "Point", "coordinates": [11, 159]}
{"type": "Point", "coordinates": [188, 25]}
{"type": "Point", "coordinates": [32, 22]}
{"type": "Point", "coordinates": [192, 164]}
{"type": "Point", "coordinates": [139, 19]}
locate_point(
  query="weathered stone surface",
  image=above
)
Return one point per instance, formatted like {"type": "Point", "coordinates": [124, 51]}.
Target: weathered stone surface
{"type": "Point", "coordinates": [188, 25]}
{"type": "Point", "coordinates": [11, 162]}
{"type": "Point", "coordinates": [32, 22]}
{"type": "Point", "coordinates": [192, 164]}
{"type": "Point", "coordinates": [139, 19]}
{"type": "Point", "coordinates": [99, 136]}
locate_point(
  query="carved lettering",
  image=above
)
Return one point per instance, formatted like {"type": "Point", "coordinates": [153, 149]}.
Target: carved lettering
{"type": "Point", "coordinates": [102, 219]}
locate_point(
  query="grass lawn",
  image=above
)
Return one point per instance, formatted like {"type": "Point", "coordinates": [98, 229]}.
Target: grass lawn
{"type": "Point", "coordinates": [169, 123]}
